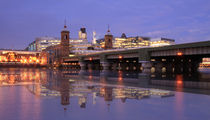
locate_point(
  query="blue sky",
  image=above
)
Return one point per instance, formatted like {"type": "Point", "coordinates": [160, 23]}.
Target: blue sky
{"type": "Point", "coordinates": [21, 21]}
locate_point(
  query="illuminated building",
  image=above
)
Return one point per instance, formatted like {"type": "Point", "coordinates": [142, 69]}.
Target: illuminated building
{"type": "Point", "coordinates": [32, 46]}
{"type": "Point", "coordinates": [126, 42]}
{"type": "Point", "coordinates": [14, 57]}
{"type": "Point", "coordinates": [157, 42]}
{"type": "Point", "coordinates": [42, 43]}
{"type": "Point", "coordinates": [81, 45]}
{"type": "Point", "coordinates": [131, 42]}
{"type": "Point", "coordinates": [100, 42]}
{"type": "Point", "coordinates": [136, 42]}
{"type": "Point", "coordinates": [82, 34]}
{"type": "Point", "coordinates": [94, 37]}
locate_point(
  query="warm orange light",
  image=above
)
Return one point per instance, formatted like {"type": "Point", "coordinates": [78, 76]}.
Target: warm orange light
{"type": "Point", "coordinates": [179, 53]}
{"type": "Point", "coordinates": [179, 82]}
{"type": "Point", "coordinates": [120, 78]}
{"type": "Point", "coordinates": [90, 77]}
{"type": "Point", "coordinates": [120, 57]}
{"type": "Point", "coordinates": [34, 58]}
{"type": "Point", "coordinates": [37, 61]}
{"type": "Point", "coordinates": [90, 58]}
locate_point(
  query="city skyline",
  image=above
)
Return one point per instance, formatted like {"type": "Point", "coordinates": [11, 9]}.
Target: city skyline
{"type": "Point", "coordinates": [184, 21]}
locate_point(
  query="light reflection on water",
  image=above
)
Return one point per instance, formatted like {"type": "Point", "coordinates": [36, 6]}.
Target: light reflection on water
{"type": "Point", "coordinates": [58, 94]}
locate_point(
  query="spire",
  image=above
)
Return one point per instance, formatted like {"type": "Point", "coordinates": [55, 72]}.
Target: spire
{"type": "Point", "coordinates": [108, 28]}
{"type": "Point", "coordinates": [108, 31]}
{"type": "Point", "coordinates": [65, 23]}
{"type": "Point", "coordinates": [65, 26]}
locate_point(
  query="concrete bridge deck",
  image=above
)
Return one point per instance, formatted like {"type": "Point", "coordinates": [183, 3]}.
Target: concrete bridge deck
{"type": "Point", "coordinates": [179, 55]}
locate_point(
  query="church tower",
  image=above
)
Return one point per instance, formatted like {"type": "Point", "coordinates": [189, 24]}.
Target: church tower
{"type": "Point", "coordinates": [108, 40]}
{"type": "Point", "coordinates": [65, 42]}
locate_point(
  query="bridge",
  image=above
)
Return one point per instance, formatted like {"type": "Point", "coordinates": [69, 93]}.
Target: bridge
{"type": "Point", "coordinates": [180, 58]}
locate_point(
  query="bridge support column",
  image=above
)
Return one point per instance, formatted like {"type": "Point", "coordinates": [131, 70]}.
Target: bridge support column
{"type": "Point", "coordinates": [146, 65]}
{"type": "Point", "coordinates": [82, 65]}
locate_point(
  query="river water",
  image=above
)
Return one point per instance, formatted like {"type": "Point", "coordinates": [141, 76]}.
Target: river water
{"type": "Point", "coordinates": [43, 94]}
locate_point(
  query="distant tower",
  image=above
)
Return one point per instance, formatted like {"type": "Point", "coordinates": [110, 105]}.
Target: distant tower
{"type": "Point", "coordinates": [83, 34]}
{"type": "Point", "coordinates": [108, 40]}
{"type": "Point", "coordinates": [94, 37]}
{"type": "Point", "coordinates": [65, 41]}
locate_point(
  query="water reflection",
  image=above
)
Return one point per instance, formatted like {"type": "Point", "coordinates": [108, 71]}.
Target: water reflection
{"type": "Point", "coordinates": [115, 90]}
{"type": "Point", "coordinates": [13, 76]}
{"type": "Point", "coordinates": [68, 84]}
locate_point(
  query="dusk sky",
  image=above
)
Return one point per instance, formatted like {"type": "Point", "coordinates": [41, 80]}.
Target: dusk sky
{"type": "Point", "coordinates": [21, 21]}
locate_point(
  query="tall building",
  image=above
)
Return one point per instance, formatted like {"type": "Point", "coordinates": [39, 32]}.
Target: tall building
{"type": "Point", "coordinates": [94, 37]}
{"type": "Point", "coordinates": [82, 33]}
{"type": "Point", "coordinates": [108, 40]}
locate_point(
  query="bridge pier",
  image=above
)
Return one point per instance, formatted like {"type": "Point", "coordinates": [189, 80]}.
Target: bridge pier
{"type": "Point", "coordinates": [82, 65]}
